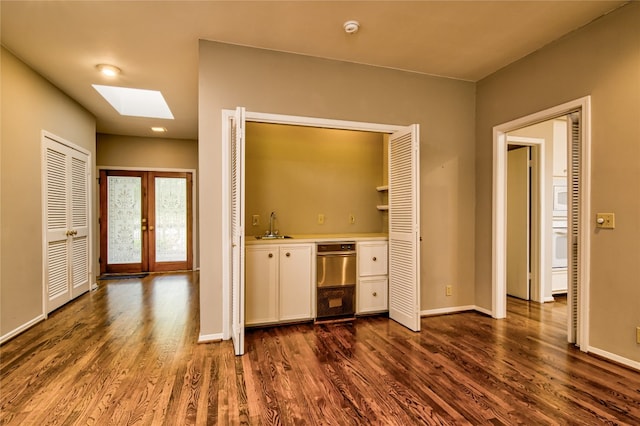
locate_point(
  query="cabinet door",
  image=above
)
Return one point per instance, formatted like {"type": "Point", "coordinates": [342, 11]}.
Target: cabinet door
{"type": "Point", "coordinates": [372, 294]}
{"type": "Point", "coordinates": [296, 281]}
{"type": "Point", "coordinates": [372, 258]}
{"type": "Point", "coordinates": [261, 281]}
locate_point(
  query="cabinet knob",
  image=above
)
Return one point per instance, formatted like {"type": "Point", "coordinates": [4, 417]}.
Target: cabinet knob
{"type": "Point", "coordinates": [375, 258]}
{"type": "Point", "coordinates": [375, 294]}
{"type": "Point", "coordinates": [270, 255]}
{"type": "Point", "coordinates": [288, 254]}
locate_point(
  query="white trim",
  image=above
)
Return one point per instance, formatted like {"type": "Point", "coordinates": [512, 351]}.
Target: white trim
{"type": "Point", "coordinates": [24, 327]}
{"type": "Point", "coordinates": [225, 170]}
{"type": "Point", "coordinates": [321, 122]}
{"type": "Point", "coordinates": [226, 159]}
{"type": "Point", "coordinates": [209, 338]}
{"type": "Point", "coordinates": [195, 229]}
{"type": "Point", "coordinates": [450, 310]}
{"type": "Point", "coordinates": [498, 279]}
{"type": "Point", "coordinates": [616, 358]}
{"type": "Point", "coordinates": [482, 310]}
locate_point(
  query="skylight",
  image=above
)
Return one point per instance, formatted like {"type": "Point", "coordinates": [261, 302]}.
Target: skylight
{"type": "Point", "coordinates": [135, 102]}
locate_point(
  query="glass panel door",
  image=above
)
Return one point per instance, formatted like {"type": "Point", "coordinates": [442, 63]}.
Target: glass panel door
{"type": "Point", "coordinates": [170, 224]}
{"type": "Point", "coordinates": [124, 210]}
{"type": "Point", "coordinates": [145, 221]}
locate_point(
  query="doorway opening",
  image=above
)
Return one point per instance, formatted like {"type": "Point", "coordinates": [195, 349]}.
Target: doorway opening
{"type": "Point", "coordinates": [146, 222]}
{"type": "Point", "coordinates": [577, 113]}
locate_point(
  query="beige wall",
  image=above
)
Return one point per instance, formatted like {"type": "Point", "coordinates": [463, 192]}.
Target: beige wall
{"type": "Point", "coordinates": [601, 60]}
{"type": "Point", "coordinates": [152, 153]}
{"type": "Point", "coordinates": [116, 151]}
{"type": "Point", "coordinates": [29, 105]}
{"type": "Point", "coordinates": [300, 172]}
{"type": "Point", "coordinates": [281, 83]}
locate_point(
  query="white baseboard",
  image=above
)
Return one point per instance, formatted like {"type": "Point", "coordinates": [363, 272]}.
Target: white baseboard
{"type": "Point", "coordinates": [22, 328]}
{"type": "Point", "coordinates": [207, 338]}
{"type": "Point", "coordinates": [483, 311]}
{"type": "Point", "coordinates": [613, 357]}
{"type": "Point", "coordinates": [449, 310]}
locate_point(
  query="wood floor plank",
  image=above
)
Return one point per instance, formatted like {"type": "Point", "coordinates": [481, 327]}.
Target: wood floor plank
{"type": "Point", "coordinates": [128, 354]}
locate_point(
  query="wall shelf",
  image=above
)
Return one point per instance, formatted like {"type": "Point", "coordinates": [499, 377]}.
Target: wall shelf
{"type": "Point", "coordinates": [382, 188]}
{"type": "Point", "coordinates": [382, 207]}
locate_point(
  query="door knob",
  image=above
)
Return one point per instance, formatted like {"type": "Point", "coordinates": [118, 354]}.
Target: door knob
{"type": "Point", "coordinates": [374, 258]}
{"type": "Point", "coordinates": [288, 254]}
{"type": "Point", "coordinates": [375, 294]}
{"type": "Point", "coordinates": [144, 227]}
{"type": "Point", "coordinates": [150, 227]}
{"type": "Point", "coordinates": [270, 255]}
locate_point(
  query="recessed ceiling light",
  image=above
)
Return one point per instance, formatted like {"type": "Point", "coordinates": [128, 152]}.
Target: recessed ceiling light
{"type": "Point", "coordinates": [351, 27]}
{"type": "Point", "coordinates": [108, 70]}
{"type": "Point", "coordinates": [159, 129]}
{"type": "Point", "coordinates": [135, 102]}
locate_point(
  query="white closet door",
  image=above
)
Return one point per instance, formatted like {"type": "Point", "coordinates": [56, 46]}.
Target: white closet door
{"type": "Point", "coordinates": [404, 227]}
{"type": "Point", "coordinates": [80, 258]}
{"type": "Point", "coordinates": [237, 231]}
{"type": "Point", "coordinates": [66, 222]}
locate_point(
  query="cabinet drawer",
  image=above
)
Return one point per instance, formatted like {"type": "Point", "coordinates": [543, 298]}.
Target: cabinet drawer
{"type": "Point", "coordinates": [372, 294]}
{"type": "Point", "coordinates": [372, 258]}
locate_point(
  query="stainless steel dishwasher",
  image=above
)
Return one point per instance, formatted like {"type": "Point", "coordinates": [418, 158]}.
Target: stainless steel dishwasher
{"type": "Point", "coordinates": [336, 280]}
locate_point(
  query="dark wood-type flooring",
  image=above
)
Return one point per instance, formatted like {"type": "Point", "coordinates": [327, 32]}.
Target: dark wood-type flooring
{"type": "Point", "coordinates": [128, 354]}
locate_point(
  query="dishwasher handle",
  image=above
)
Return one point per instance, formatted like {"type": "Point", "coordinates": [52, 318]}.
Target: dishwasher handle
{"type": "Point", "coordinates": [337, 253]}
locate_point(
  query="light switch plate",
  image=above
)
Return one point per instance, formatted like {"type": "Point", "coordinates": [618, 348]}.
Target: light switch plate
{"type": "Point", "coordinates": [605, 220]}
{"type": "Point", "coordinates": [255, 220]}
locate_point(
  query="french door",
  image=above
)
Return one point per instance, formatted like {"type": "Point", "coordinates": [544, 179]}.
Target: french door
{"type": "Point", "coordinates": [145, 221]}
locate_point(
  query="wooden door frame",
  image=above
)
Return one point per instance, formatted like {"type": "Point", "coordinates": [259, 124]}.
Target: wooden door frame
{"type": "Point", "coordinates": [192, 194]}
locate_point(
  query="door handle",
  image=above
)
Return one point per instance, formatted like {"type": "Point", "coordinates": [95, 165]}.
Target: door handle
{"type": "Point", "coordinates": [150, 227]}
{"type": "Point", "coordinates": [144, 227]}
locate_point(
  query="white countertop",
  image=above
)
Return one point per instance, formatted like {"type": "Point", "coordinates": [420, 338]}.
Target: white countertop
{"type": "Point", "coordinates": [318, 238]}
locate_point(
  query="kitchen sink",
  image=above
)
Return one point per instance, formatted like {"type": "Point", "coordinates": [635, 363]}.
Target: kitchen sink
{"type": "Point", "coordinates": [272, 237]}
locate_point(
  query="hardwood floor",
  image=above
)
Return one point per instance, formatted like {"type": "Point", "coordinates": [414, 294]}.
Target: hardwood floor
{"type": "Point", "coordinates": [127, 354]}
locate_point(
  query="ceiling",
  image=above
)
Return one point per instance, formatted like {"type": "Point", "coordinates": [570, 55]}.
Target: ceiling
{"type": "Point", "coordinates": [155, 43]}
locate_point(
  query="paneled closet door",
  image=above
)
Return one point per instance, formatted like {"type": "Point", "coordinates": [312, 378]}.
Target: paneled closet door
{"type": "Point", "coordinates": [67, 223]}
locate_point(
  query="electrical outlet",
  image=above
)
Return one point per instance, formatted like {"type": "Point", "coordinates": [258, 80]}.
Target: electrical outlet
{"type": "Point", "coordinates": [638, 334]}
{"type": "Point", "coordinates": [352, 219]}
{"type": "Point", "coordinates": [320, 219]}
{"type": "Point", "coordinates": [449, 290]}
{"type": "Point", "coordinates": [255, 220]}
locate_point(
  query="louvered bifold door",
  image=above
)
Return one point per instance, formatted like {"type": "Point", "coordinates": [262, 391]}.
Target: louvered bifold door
{"type": "Point", "coordinates": [237, 231]}
{"type": "Point", "coordinates": [57, 254]}
{"type": "Point", "coordinates": [404, 228]}
{"type": "Point", "coordinates": [575, 155]}
{"type": "Point", "coordinates": [67, 236]}
{"type": "Point", "coordinates": [79, 213]}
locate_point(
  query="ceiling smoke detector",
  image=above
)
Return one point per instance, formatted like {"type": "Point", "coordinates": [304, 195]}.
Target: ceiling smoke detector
{"type": "Point", "coordinates": [351, 27]}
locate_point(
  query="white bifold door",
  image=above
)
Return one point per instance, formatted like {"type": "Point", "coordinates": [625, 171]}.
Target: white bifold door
{"type": "Point", "coordinates": [237, 230]}
{"type": "Point", "coordinates": [404, 227]}
{"type": "Point", "coordinates": [67, 242]}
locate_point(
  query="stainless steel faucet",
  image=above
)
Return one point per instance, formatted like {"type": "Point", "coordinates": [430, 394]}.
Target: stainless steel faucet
{"type": "Point", "coordinates": [271, 219]}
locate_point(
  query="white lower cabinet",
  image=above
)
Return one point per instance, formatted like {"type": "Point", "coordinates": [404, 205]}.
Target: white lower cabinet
{"type": "Point", "coordinates": [373, 282]}
{"type": "Point", "coordinates": [278, 283]}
